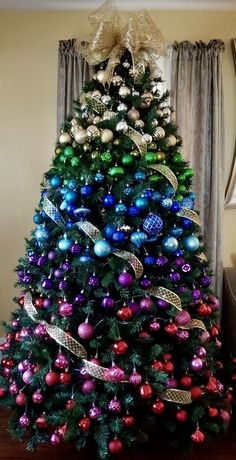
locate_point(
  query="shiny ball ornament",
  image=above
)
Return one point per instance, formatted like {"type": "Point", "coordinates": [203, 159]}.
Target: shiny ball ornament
{"type": "Point", "coordinates": [170, 141]}
{"type": "Point", "coordinates": [133, 114]}
{"type": "Point", "coordinates": [114, 405]}
{"type": "Point", "coordinates": [61, 361]}
{"type": "Point", "coordinates": [116, 171]}
{"type": "Point", "coordinates": [106, 135]}
{"type": "Point", "coordinates": [122, 126]}
{"type": "Point", "coordinates": [158, 407]}
{"type": "Point", "coordinates": [108, 200]}
{"type": "Point", "coordinates": [70, 196]}
{"type": "Point", "coordinates": [102, 248]}
{"type": "Point", "coordinates": [139, 124]}
{"type": "Point", "coordinates": [88, 386]}
{"type": "Point", "coordinates": [166, 203]}
{"type": "Point", "coordinates": [138, 238]}
{"type": "Point", "coordinates": [92, 132]}
{"type": "Point", "coordinates": [51, 378]}
{"type": "Point", "coordinates": [154, 326]}
{"type": "Point", "coordinates": [109, 229]}
{"type": "Point", "coordinates": [133, 211]}
{"type": "Point", "coordinates": [140, 175]}
{"type": "Point", "coordinates": [147, 138]}
{"type": "Point", "coordinates": [118, 236]}
{"type": "Point", "coordinates": [108, 115]}
{"type": "Point", "coordinates": [80, 136]}
{"type": "Point", "coordinates": [146, 303]}
{"type": "Point", "coordinates": [27, 376]}
{"type": "Point", "coordinates": [145, 391]}
{"type": "Point", "coordinates": [24, 421]}
{"type": "Point", "coordinates": [127, 159]}
{"type": "Point", "coordinates": [100, 76]}
{"type": "Point", "coordinates": [158, 133]}
{"type": "Point", "coordinates": [198, 436]}
{"type": "Point", "coordinates": [181, 415]}
{"type": "Point", "coordinates": [169, 244]}
{"type": "Point", "coordinates": [191, 243]}
{"type": "Point", "coordinates": [152, 224]}
{"type": "Point", "coordinates": [115, 374]}
{"type": "Point", "coordinates": [150, 157]}
{"type": "Point", "coordinates": [141, 203]}
{"type": "Point", "coordinates": [125, 279]}
{"type": "Point", "coordinates": [124, 314]}
{"type": "Point", "coordinates": [86, 190]}
{"type": "Point", "coordinates": [69, 151]}
{"type": "Point", "coordinates": [85, 331]}
{"type": "Point", "coordinates": [55, 439]}
{"type": "Point", "coordinates": [182, 318]}
{"type": "Point", "coordinates": [65, 378]}
{"type": "Point", "coordinates": [65, 138]}
{"type": "Point", "coordinates": [55, 181]}
{"type": "Point", "coordinates": [196, 364]}
{"type": "Point", "coordinates": [21, 399]}
{"type": "Point", "coordinates": [186, 381]}
{"type": "Point", "coordinates": [84, 424]}
{"type": "Point", "coordinates": [106, 99]}
{"type": "Point", "coordinates": [127, 420]}
{"type": "Point", "coordinates": [115, 446]}
{"type": "Point", "coordinates": [120, 347]}
{"type": "Point", "coordinates": [65, 244]}
{"type": "Point", "coordinates": [37, 397]}
{"type": "Point", "coordinates": [117, 80]}
{"type": "Point", "coordinates": [122, 107]}
{"type": "Point", "coordinates": [124, 91]}
{"type": "Point", "coordinates": [41, 234]}
{"type": "Point", "coordinates": [96, 94]}
{"type": "Point", "coordinates": [95, 412]}
{"type": "Point", "coordinates": [75, 161]}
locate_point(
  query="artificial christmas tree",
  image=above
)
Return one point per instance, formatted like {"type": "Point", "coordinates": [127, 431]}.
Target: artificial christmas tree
{"type": "Point", "coordinates": [116, 334]}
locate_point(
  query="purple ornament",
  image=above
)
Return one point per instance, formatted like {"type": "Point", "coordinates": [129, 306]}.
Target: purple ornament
{"type": "Point", "coordinates": [61, 361]}
{"type": "Point", "coordinates": [88, 386]}
{"type": "Point", "coordinates": [196, 364]}
{"type": "Point", "coordinates": [196, 294]}
{"type": "Point", "coordinates": [24, 421]}
{"type": "Point", "coordinates": [174, 277]}
{"type": "Point", "coordinates": [85, 330]}
{"type": "Point", "coordinates": [66, 266]}
{"type": "Point", "coordinates": [146, 303]}
{"type": "Point", "coordinates": [47, 302]}
{"type": "Point", "coordinates": [179, 261]}
{"type": "Point", "coordinates": [114, 405]}
{"type": "Point", "coordinates": [47, 283]}
{"type": "Point", "coordinates": [145, 283]}
{"type": "Point", "coordinates": [162, 303]}
{"type": "Point", "coordinates": [42, 261]}
{"type": "Point", "coordinates": [26, 364]}
{"type": "Point", "coordinates": [93, 281]}
{"type": "Point", "coordinates": [40, 330]}
{"type": "Point", "coordinates": [95, 412]}
{"type": "Point", "coordinates": [154, 326]}
{"type": "Point", "coordinates": [134, 307]}
{"type": "Point", "coordinates": [55, 439]}
{"type": "Point", "coordinates": [214, 302]}
{"type": "Point", "coordinates": [25, 333]}
{"type": "Point", "coordinates": [27, 377]}
{"type": "Point", "coordinates": [116, 374]}
{"type": "Point", "coordinates": [37, 397]}
{"type": "Point", "coordinates": [205, 281]}
{"type": "Point", "coordinates": [58, 273]}
{"type": "Point", "coordinates": [65, 309]}
{"type": "Point", "coordinates": [182, 289]}
{"type": "Point", "coordinates": [28, 278]}
{"type": "Point", "coordinates": [171, 382]}
{"type": "Point", "coordinates": [13, 388]}
{"type": "Point", "coordinates": [52, 255]}
{"type": "Point", "coordinates": [125, 279]}
{"type": "Point", "coordinates": [182, 336]}
{"type": "Point", "coordinates": [33, 259]}
{"type": "Point", "coordinates": [161, 261]}
{"type": "Point", "coordinates": [186, 268]}
{"type": "Point", "coordinates": [201, 352]}
{"type": "Point", "coordinates": [135, 378]}
{"type": "Point", "coordinates": [63, 284]}
{"type": "Point", "coordinates": [80, 299]}
{"type": "Point", "coordinates": [75, 248]}
{"type": "Point", "coordinates": [220, 387]}
{"type": "Point", "coordinates": [108, 302]}
{"type": "Point", "coordinates": [182, 318]}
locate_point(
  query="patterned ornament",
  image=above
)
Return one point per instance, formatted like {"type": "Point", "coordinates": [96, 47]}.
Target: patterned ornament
{"type": "Point", "coordinates": [152, 224]}
{"type": "Point", "coordinates": [102, 248]}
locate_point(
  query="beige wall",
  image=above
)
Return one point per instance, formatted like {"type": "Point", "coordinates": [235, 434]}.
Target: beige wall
{"type": "Point", "coordinates": [28, 74]}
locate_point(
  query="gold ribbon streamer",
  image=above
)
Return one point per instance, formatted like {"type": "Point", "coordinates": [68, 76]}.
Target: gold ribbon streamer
{"type": "Point", "coordinates": [167, 295]}
{"type": "Point", "coordinates": [96, 105]}
{"type": "Point", "coordinates": [202, 256]}
{"type": "Point", "coordinates": [177, 396]}
{"type": "Point", "coordinates": [167, 173]}
{"type": "Point", "coordinates": [109, 39]}
{"type": "Point", "coordinates": [189, 214]}
{"type": "Point", "coordinates": [194, 323]}
{"type": "Point", "coordinates": [138, 140]}
{"type": "Point", "coordinates": [95, 235]}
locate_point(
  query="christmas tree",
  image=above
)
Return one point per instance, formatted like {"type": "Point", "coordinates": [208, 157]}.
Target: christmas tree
{"type": "Point", "coordinates": [115, 337]}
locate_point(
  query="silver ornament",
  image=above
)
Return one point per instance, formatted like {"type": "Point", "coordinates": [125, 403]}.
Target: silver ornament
{"type": "Point", "coordinates": [122, 107]}
{"type": "Point", "coordinates": [139, 124]}
{"type": "Point", "coordinates": [122, 126]}
{"type": "Point", "coordinates": [105, 99]}
{"type": "Point", "coordinates": [100, 76]}
{"type": "Point", "coordinates": [170, 140]}
{"type": "Point", "coordinates": [80, 136]}
{"type": "Point", "coordinates": [106, 135]}
{"type": "Point", "coordinates": [147, 138]}
{"type": "Point", "coordinates": [125, 228]}
{"type": "Point", "coordinates": [92, 132]}
{"type": "Point", "coordinates": [154, 87]}
{"type": "Point", "coordinates": [108, 114]}
{"type": "Point", "coordinates": [158, 133]}
{"type": "Point", "coordinates": [124, 91]}
{"type": "Point", "coordinates": [133, 114]}
{"type": "Point", "coordinates": [135, 92]}
{"type": "Point", "coordinates": [126, 64]}
{"type": "Point", "coordinates": [65, 138]}
{"type": "Point", "coordinates": [154, 123]}
{"type": "Point", "coordinates": [117, 80]}
{"type": "Point", "coordinates": [97, 94]}
{"type": "Point", "coordinates": [163, 105]}
{"type": "Point", "coordinates": [166, 112]}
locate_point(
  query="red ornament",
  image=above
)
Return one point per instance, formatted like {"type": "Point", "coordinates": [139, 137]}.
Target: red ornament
{"type": "Point", "coordinates": [186, 381]}
{"type": "Point", "coordinates": [196, 393]}
{"type": "Point", "coordinates": [214, 331]}
{"type": "Point", "coordinates": [41, 422]}
{"type": "Point", "coordinates": [144, 335]}
{"type": "Point", "coordinates": [167, 356]}
{"type": "Point", "coordinates": [157, 365]}
{"type": "Point", "coordinates": [70, 404]}
{"type": "Point", "coordinates": [120, 347]}
{"type": "Point", "coordinates": [168, 367]}
{"type": "Point", "coordinates": [158, 407]}
{"type": "Point", "coordinates": [211, 387]}
{"type": "Point", "coordinates": [84, 423]}
{"type": "Point", "coordinates": [39, 302]}
{"type": "Point", "coordinates": [127, 420]}
{"type": "Point", "coordinates": [51, 378]}
{"type": "Point", "coordinates": [21, 300]}
{"type": "Point", "coordinates": [198, 436]}
{"type": "Point", "coordinates": [203, 310]}
{"type": "Point", "coordinates": [181, 415]}
{"type": "Point", "coordinates": [21, 399]}
{"type": "Point", "coordinates": [8, 363]}
{"type": "Point", "coordinates": [124, 314]}
{"type": "Point", "coordinates": [212, 412]}
{"type": "Point", "coordinates": [145, 391]}
{"type": "Point", "coordinates": [115, 446]}
{"type": "Point", "coordinates": [2, 392]}
{"type": "Point", "coordinates": [65, 378]}
{"type": "Point", "coordinates": [171, 329]}
{"type": "Point", "coordinates": [62, 430]}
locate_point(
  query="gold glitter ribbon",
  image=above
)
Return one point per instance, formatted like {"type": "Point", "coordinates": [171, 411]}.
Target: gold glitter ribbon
{"type": "Point", "coordinates": [167, 173]}
{"type": "Point", "coordinates": [189, 214]}
{"type": "Point", "coordinates": [138, 140]}
{"type": "Point", "coordinates": [110, 39]}
{"type": "Point", "coordinates": [176, 396]}
{"type": "Point", "coordinates": [167, 295]}
{"type": "Point", "coordinates": [95, 235]}
{"type": "Point", "coordinates": [96, 105]}
{"type": "Point", "coordinates": [202, 256]}
{"type": "Point", "coordinates": [194, 324]}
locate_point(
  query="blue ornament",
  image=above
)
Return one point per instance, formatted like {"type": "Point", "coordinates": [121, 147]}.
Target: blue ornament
{"type": "Point", "coordinates": [127, 190]}
{"type": "Point", "coordinates": [63, 191]}
{"type": "Point", "coordinates": [138, 238]}
{"type": "Point", "coordinates": [108, 200]}
{"type": "Point", "coordinates": [82, 213]}
{"type": "Point", "coordinates": [191, 243]}
{"type": "Point", "coordinates": [84, 259]}
{"type": "Point", "coordinates": [118, 236]}
{"type": "Point", "coordinates": [152, 239]}
{"type": "Point", "coordinates": [71, 196]}
{"type": "Point", "coordinates": [99, 177]}
{"type": "Point", "coordinates": [102, 248]}
{"type": "Point", "coordinates": [152, 224]}
{"type": "Point", "coordinates": [69, 224]}
{"type": "Point", "coordinates": [120, 209]}
{"type": "Point", "coordinates": [149, 260]}
{"type": "Point", "coordinates": [70, 209]}
{"type": "Point", "coordinates": [109, 229]}
{"type": "Point", "coordinates": [148, 193]}
{"type": "Point", "coordinates": [166, 203]}
{"type": "Point", "coordinates": [37, 218]}
{"type": "Point", "coordinates": [44, 193]}
{"type": "Point", "coordinates": [179, 252]}
{"type": "Point", "coordinates": [169, 243]}
{"type": "Point", "coordinates": [176, 231]}
{"type": "Point", "coordinates": [187, 203]}
{"type": "Point", "coordinates": [72, 184]}
{"type": "Point", "coordinates": [65, 243]}
{"type": "Point", "coordinates": [187, 223]}
{"type": "Point", "coordinates": [41, 234]}
{"type": "Point", "coordinates": [140, 175]}
{"type": "Point", "coordinates": [175, 207]}
{"type": "Point", "coordinates": [169, 191]}
{"type": "Point", "coordinates": [55, 181]}
{"type": "Point", "coordinates": [156, 196]}
{"type": "Point", "coordinates": [86, 190]}
{"type": "Point", "coordinates": [63, 205]}
{"type": "Point", "coordinates": [141, 202]}
{"type": "Point", "coordinates": [133, 211]}
{"type": "Point", "coordinates": [192, 195]}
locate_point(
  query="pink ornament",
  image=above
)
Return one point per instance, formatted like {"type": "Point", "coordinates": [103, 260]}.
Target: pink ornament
{"type": "Point", "coordinates": [95, 412]}
{"type": "Point", "coordinates": [65, 309]}
{"type": "Point", "coordinates": [154, 326]}
{"type": "Point", "coordinates": [225, 416]}
{"type": "Point", "coordinates": [37, 397]}
{"type": "Point", "coordinates": [196, 364]}
{"type": "Point", "coordinates": [218, 344]}
{"type": "Point", "coordinates": [40, 330]}
{"type": "Point", "coordinates": [135, 378]}
{"type": "Point", "coordinates": [214, 302]}
{"type": "Point", "coordinates": [21, 399]}
{"type": "Point", "coordinates": [171, 382]}
{"type": "Point", "coordinates": [55, 439]}
{"type": "Point", "coordinates": [182, 318]}
{"type": "Point", "coordinates": [85, 330]}
{"type": "Point", "coordinates": [61, 361]}
{"type": "Point", "coordinates": [95, 361]}
{"type": "Point", "coordinates": [201, 352]}
{"type": "Point", "coordinates": [205, 336]}
{"type": "Point", "coordinates": [146, 304]}
{"type": "Point", "coordinates": [27, 377]}
{"type": "Point", "coordinates": [116, 374]}
{"type": "Point", "coordinates": [24, 421]}
{"type": "Point", "coordinates": [88, 386]}
{"type": "Point", "coordinates": [13, 388]}
{"type": "Point", "coordinates": [114, 405]}
{"type": "Point", "coordinates": [125, 279]}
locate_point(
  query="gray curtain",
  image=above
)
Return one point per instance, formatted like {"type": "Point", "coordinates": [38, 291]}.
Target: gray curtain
{"type": "Point", "coordinates": [73, 71]}
{"type": "Point", "coordinates": [197, 98]}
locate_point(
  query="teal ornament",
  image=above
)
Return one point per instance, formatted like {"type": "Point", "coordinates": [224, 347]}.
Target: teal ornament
{"type": "Point", "coordinates": [99, 177]}
{"type": "Point", "coordinates": [169, 191]}
{"type": "Point", "coordinates": [102, 248]}
{"type": "Point", "coordinates": [72, 184]}
{"type": "Point", "coordinates": [141, 202]}
{"type": "Point", "coordinates": [41, 234]}
{"type": "Point", "coordinates": [55, 181]}
{"type": "Point", "coordinates": [152, 224]}
{"type": "Point", "coordinates": [156, 196]}
{"type": "Point", "coordinates": [120, 209]}
{"type": "Point", "coordinates": [138, 238]}
{"type": "Point", "coordinates": [65, 244]}
{"type": "Point", "coordinates": [191, 243]}
{"type": "Point", "coordinates": [166, 203]}
{"type": "Point", "coordinates": [71, 196]}
{"type": "Point", "coordinates": [170, 244]}
{"type": "Point", "coordinates": [37, 218]}
{"type": "Point", "coordinates": [176, 231]}
{"type": "Point", "coordinates": [128, 190]}
{"type": "Point", "coordinates": [140, 175]}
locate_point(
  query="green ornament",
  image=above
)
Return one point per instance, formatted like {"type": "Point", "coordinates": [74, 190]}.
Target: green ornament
{"type": "Point", "coordinates": [154, 178]}
{"type": "Point", "coordinates": [189, 173]}
{"type": "Point", "coordinates": [182, 177]}
{"type": "Point", "coordinates": [62, 158]}
{"type": "Point", "coordinates": [106, 157]}
{"type": "Point", "coordinates": [177, 158]}
{"type": "Point", "coordinates": [75, 161]}
{"type": "Point", "coordinates": [116, 171]}
{"type": "Point", "coordinates": [68, 151]}
{"type": "Point", "coordinates": [150, 157]}
{"type": "Point", "coordinates": [160, 156]}
{"type": "Point", "coordinates": [181, 189]}
{"type": "Point", "coordinates": [179, 197]}
{"type": "Point", "coordinates": [127, 159]}
{"type": "Point", "coordinates": [65, 181]}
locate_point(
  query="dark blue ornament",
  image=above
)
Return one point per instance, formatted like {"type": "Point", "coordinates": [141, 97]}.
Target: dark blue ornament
{"type": "Point", "coordinates": [44, 193]}
{"type": "Point", "coordinates": [152, 224]}
{"type": "Point", "coordinates": [120, 209]}
{"type": "Point", "coordinates": [138, 238]}
{"type": "Point", "coordinates": [187, 223]}
{"type": "Point", "coordinates": [176, 231]}
{"type": "Point", "coordinates": [148, 193]}
{"type": "Point", "coordinates": [70, 209]}
{"type": "Point", "coordinates": [175, 207]}
{"type": "Point", "coordinates": [109, 229]}
{"type": "Point", "coordinates": [55, 181]}
{"type": "Point", "coordinates": [169, 243]}
{"type": "Point", "coordinates": [118, 236]}
{"type": "Point", "coordinates": [69, 224]}
{"type": "Point", "coordinates": [108, 200]}
{"type": "Point", "coordinates": [140, 175]}
{"type": "Point", "coordinates": [179, 252]}
{"type": "Point", "coordinates": [133, 211]}
{"type": "Point", "coordinates": [86, 190]}
{"type": "Point", "coordinates": [149, 260]}
{"type": "Point", "coordinates": [141, 202]}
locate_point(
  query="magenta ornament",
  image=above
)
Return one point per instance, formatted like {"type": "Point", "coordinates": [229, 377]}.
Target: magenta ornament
{"type": "Point", "coordinates": [135, 378]}
{"type": "Point", "coordinates": [13, 388]}
{"type": "Point", "coordinates": [205, 336]}
{"type": "Point", "coordinates": [95, 412]}
{"type": "Point", "coordinates": [125, 279]}
{"type": "Point", "coordinates": [65, 309]}
{"type": "Point", "coordinates": [108, 302]}
{"type": "Point", "coordinates": [182, 318]}
{"type": "Point", "coordinates": [154, 326]}
{"type": "Point", "coordinates": [116, 374]}
{"type": "Point", "coordinates": [40, 330]}
{"type": "Point", "coordinates": [146, 304]}
{"type": "Point", "coordinates": [201, 352]}
{"type": "Point", "coordinates": [225, 416]}
{"type": "Point", "coordinates": [179, 261]}
{"type": "Point", "coordinates": [55, 439]}
{"type": "Point", "coordinates": [85, 330]}
{"type": "Point", "coordinates": [24, 421]}
{"type": "Point", "coordinates": [171, 382]}
{"type": "Point", "coordinates": [37, 397]}
{"type": "Point", "coordinates": [182, 336]}
{"type": "Point", "coordinates": [196, 364]}
{"type": "Point", "coordinates": [61, 361]}
{"type": "Point", "coordinates": [214, 302]}
{"type": "Point", "coordinates": [27, 377]}
{"type": "Point", "coordinates": [162, 303]}
{"type": "Point", "coordinates": [114, 405]}
{"type": "Point", "coordinates": [88, 386]}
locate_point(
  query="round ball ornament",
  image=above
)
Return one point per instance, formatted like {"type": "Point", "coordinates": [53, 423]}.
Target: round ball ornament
{"type": "Point", "coordinates": [55, 439]}
{"type": "Point", "coordinates": [170, 141]}
{"type": "Point", "coordinates": [92, 132]}
{"type": "Point", "coordinates": [115, 446]}
{"type": "Point", "coordinates": [65, 138]}
{"type": "Point", "coordinates": [169, 244]}
{"type": "Point", "coordinates": [125, 279]}
{"type": "Point", "coordinates": [141, 203]}
{"type": "Point", "coordinates": [127, 159]}
{"type": "Point", "coordinates": [106, 135]}
{"type": "Point", "coordinates": [122, 126]}
{"type": "Point", "coordinates": [65, 244]}
{"type": "Point", "coordinates": [152, 224]}
{"type": "Point", "coordinates": [41, 234]}
{"type": "Point", "coordinates": [20, 399]}
{"type": "Point", "coordinates": [158, 407]}
{"type": "Point", "coordinates": [124, 91]}
{"type": "Point", "coordinates": [196, 364]}
{"type": "Point", "coordinates": [135, 378]}
{"type": "Point", "coordinates": [191, 243]}
{"type": "Point", "coordinates": [127, 420]}
{"type": "Point", "coordinates": [133, 114]}
{"type": "Point", "coordinates": [51, 378]}
{"type": "Point", "coordinates": [65, 378]}
{"type": "Point", "coordinates": [24, 421]}
{"type": "Point", "coordinates": [84, 424]}
{"type": "Point", "coordinates": [85, 331]}
{"type": "Point", "coordinates": [108, 200]}
{"type": "Point", "coordinates": [120, 347]}
{"type": "Point", "coordinates": [181, 415]}
{"type": "Point", "coordinates": [102, 248]}
{"type": "Point", "coordinates": [124, 314]}
{"type": "Point", "coordinates": [95, 412]}
{"type": "Point", "coordinates": [145, 391]}
{"type": "Point", "coordinates": [158, 133]}
{"type": "Point", "coordinates": [198, 437]}
{"type": "Point", "coordinates": [122, 107]}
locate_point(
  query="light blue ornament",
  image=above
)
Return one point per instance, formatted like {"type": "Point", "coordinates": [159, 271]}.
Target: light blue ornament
{"type": "Point", "coordinates": [63, 205]}
{"type": "Point", "coordinates": [120, 209]}
{"type": "Point", "coordinates": [141, 202]}
{"type": "Point", "coordinates": [140, 175]}
{"type": "Point", "coordinates": [41, 234]}
{"type": "Point", "coordinates": [187, 203]}
{"type": "Point", "coordinates": [166, 203]}
{"type": "Point", "coordinates": [191, 243]}
{"type": "Point", "coordinates": [102, 248]}
{"type": "Point", "coordinates": [156, 196]}
{"type": "Point", "coordinates": [170, 244]}
{"type": "Point", "coordinates": [55, 181]}
{"type": "Point", "coordinates": [138, 238]}
{"type": "Point", "coordinates": [128, 190]}
{"type": "Point", "coordinates": [169, 191]}
{"type": "Point", "coordinates": [192, 195]}
{"type": "Point", "coordinates": [72, 184]}
{"type": "Point", "coordinates": [71, 196]}
{"type": "Point", "coordinates": [99, 177]}
{"type": "Point", "coordinates": [37, 218]}
{"type": "Point", "coordinates": [63, 191]}
{"type": "Point", "coordinates": [65, 244]}
{"type": "Point", "coordinates": [176, 231]}
{"type": "Point", "coordinates": [152, 224]}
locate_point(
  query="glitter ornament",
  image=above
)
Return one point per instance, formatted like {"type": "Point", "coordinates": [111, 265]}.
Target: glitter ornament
{"type": "Point", "coordinates": [135, 378]}
{"type": "Point", "coordinates": [85, 330]}
{"type": "Point", "coordinates": [114, 405]}
{"type": "Point", "coordinates": [24, 421]}
{"type": "Point", "coordinates": [95, 412]}
{"type": "Point", "coordinates": [198, 437]}
{"type": "Point", "coordinates": [125, 279]}
{"type": "Point", "coordinates": [127, 420]}
{"type": "Point", "coordinates": [37, 397]}
{"type": "Point", "coordinates": [152, 224]}
{"type": "Point", "coordinates": [124, 314]}
{"type": "Point", "coordinates": [88, 386]}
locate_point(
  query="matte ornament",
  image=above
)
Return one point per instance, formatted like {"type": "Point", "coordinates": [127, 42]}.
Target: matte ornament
{"type": "Point", "coordinates": [115, 446]}
{"type": "Point", "coordinates": [145, 391]}
{"type": "Point", "coordinates": [41, 422]}
{"type": "Point", "coordinates": [102, 248]}
{"type": "Point", "coordinates": [138, 238]}
{"type": "Point", "coordinates": [181, 415]}
{"type": "Point", "coordinates": [85, 331]}
{"type": "Point", "coordinates": [191, 243]}
{"type": "Point", "coordinates": [152, 224]}
{"type": "Point", "coordinates": [20, 399]}
{"type": "Point", "coordinates": [51, 378]}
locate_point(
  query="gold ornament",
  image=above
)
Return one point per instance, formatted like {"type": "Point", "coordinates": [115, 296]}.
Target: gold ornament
{"type": "Point", "coordinates": [159, 113]}
{"type": "Point", "coordinates": [87, 147]}
{"type": "Point", "coordinates": [92, 132]}
{"type": "Point", "coordinates": [147, 138]}
{"type": "Point", "coordinates": [154, 123]}
{"type": "Point", "coordinates": [65, 138]}
{"type": "Point", "coordinates": [134, 72]}
{"type": "Point", "coordinates": [106, 135]}
{"type": "Point", "coordinates": [133, 114]}
{"type": "Point", "coordinates": [96, 119]}
{"type": "Point", "coordinates": [136, 153]}
{"type": "Point", "coordinates": [170, 141]}
{"type": "Point", "coordinates": [116, 142]}
{"type": "Point", "coordinates": [139, 124]}
{"type": "Point", "coordinates": [124, 91]}
{"type": "Point", "coordinates": [80, 136]}
{"type": "Point", "coordinates": [117, 80]}
{"type": "Point", "coordinates": [58, 150]}
{"type": "Point", "coordinates": [160, 156]}
{"type": "Point", "coordinates": [158, 133]}
{"type": "Point", "coordinates": [108, 115]}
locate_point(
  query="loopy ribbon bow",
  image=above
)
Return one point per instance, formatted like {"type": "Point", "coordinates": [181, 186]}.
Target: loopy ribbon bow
{"type": "Point", "coordinates": [109, 39]}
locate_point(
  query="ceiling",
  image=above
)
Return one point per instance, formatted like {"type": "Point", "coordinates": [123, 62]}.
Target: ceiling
{"type": "Point", "coordinates": [121, 4]}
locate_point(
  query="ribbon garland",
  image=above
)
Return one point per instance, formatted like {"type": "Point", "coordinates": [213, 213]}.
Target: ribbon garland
{"type": "Point", "coordinates": [189, 214]}
{"type": "Point", "coordinates": [167, 173]}
{"type": "Point", "coordinates": [177, 396]}
{"type": "Point", "coordinates": [167, 295]}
